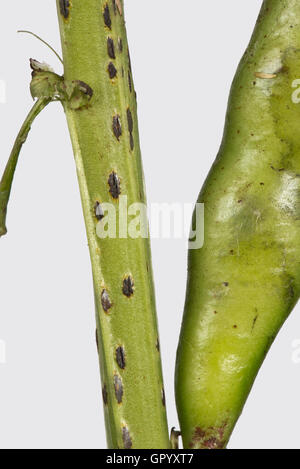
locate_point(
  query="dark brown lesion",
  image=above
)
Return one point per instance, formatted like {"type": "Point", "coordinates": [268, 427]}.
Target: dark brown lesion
{"type": "Point", "coordinates": [105, 395]}
{"type": "Point", "coordinates": [130, 121]}
{"type": "Point", "coordinates": [117, 127]}
{"type": "Point", "coordinates": [209, 438]}
{"type": "Point", "coordinates": [106, 16]}
{"type": "Point", "coordinates": [254, 322]}
{"type": "Point", "coordinates": [97, 341]}
{"type": "Point", "coordinates": [118, 385]}
{"type": "Point", "coordinates": [64, 6]}
{"type": "Point", "coordinates": [112, 71]}
{"type": "Point", "coordinates": [130, 129]}
{"type": "Point", "coordinates": [128, 286]}
{"type": "Point", "coordinates": [105, 301]}
{"type": "Point", "coordinates": [157, 345]}
{"type": "Point", "coordinates": [111, 48]}
{"type": "Point", "coordinates": [98, 211]}
{"type": "Point", "coordinates": [114, 185]}
{"type": "Point", "coordinates": [163, 397]}
{"type": "Point", "coordinates": [120, 357]}
{"type": "Point", "coordinates": [127, 440]}
{"type": "Point", "coordinates": [129, 82]}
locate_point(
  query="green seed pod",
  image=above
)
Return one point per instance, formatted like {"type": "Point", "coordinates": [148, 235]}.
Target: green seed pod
{"type": "Point", "coordinates": [105, 140]}
{"type": "Point", "coordinates": [245, 281]}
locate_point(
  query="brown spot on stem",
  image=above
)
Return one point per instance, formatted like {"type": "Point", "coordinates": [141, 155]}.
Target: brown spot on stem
{"type": "Point", "coordinates": [85, 88]}
{"type": "Point", "coordinates": [104, 395]}
{"type": "Point", "coordinates": [64, 6]}
{"type": "Point", "coordinates": [118, 385]}
{"type": "Point", "coordinates": [163, 397]}
{"type": "Point", "coordinates": [226, 284]}
{"type": "Point", "coordinates": [97, 342]}
{"type": "Point", "coordinates": [98, 210]}
{"type": "Point", "coordinates": [120, 44]}
{"type": "Point", "coordinates": [129, 82]}
{"type": "Point", "coordinates": [112, 71]}
{"type": "Point", "coordinates": [254, 322]}
{"type": "Point", "coordinates": [120, 357]}
{"type": "Point", "coordinates": [105, 301]}
{"type": "Point", "coordinates": [114, 185]}
{"type": "Point", "coordinates": [129, 60]}
{"type": "Point", "coordinates": [126, 438]}
{"type": "Point", "coordinates": [111, 48]}
{"type": "Point", "coordinates": [117, 127]}
{"type": "Point", "coordinates": [131, 142]}
{"type": "Point", "coordinates": [129, 120]}
{"type": "Point", "coordinates": [157, 345]}
{"type": "Point", "coordinates": [128, 286]}
{"type": "Point", "coordinates": [106, 16]}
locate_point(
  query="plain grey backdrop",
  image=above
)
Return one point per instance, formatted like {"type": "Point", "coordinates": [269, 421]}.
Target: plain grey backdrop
{"type": "Point", "coordinates": [184, 57]}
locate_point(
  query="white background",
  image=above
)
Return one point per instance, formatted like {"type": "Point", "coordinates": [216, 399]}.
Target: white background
{"type": "Point", "coordinates": [184, 56]}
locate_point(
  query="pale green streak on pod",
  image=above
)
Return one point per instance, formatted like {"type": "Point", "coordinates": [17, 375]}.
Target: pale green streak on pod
{"type": "Point", "coordinates": [245, 281]}
{"type": "Point", "coordinates": [107, 154]}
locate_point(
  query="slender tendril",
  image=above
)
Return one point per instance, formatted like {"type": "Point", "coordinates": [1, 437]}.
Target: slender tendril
{"type": "Point", "coordinates": [44, 42]}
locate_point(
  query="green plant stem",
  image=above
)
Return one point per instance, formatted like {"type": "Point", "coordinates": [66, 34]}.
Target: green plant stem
{"type": "Point", "coordinates": [8, 175]}
{"type": "Point", "coordinates": [105, 141]}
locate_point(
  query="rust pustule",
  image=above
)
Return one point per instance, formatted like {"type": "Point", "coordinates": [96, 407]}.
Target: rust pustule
{"type": "Point", "coordinates": [106, 16]}
{"type": "Point", "coordinates": [157, 345]}
{"type": "Point", "coordinates": [114, 185]}
{"type": "Point", "coordinates": [85, 88]}
{"type": "Point", "coordinates": [120, 358]}
{"type": "Point", "coordinates": [117, 127]}
{"type": "Point", "coordinates": [129, 82]}
{"type": "Point", "coordinates": [64, 6]}
{"type": "Point", "coordinates": [104, 395]}
{"type": "Point", "coordinates": [130, 120]}
{"type": "Point", "coordinates": [118, 385]}
{"type": "Point", "coordinates": [98, 210]}
{"type": "Point", "coordinates": [129, 60]}
{"type": "Point", "coordinates": [105, 301]}
{"type": "Point", "coordinates": [120, 44]}
{"type": "Point", "coordinates": [254, 322]}
{"type": "Point", "coordinates": [111, 48]}
{"type": "Point", "coordinates": [97, 342]}
{"type": "Point", "coordinates": [126, 438]}
{"type": "Point", "coordinates": [128, 286]}
{"type": "Point", "coordinates": [112, 71]}
{"type": "Point", "coordinates": [163, 397]}
{"type": "Point", "coordinates": [131, 142]}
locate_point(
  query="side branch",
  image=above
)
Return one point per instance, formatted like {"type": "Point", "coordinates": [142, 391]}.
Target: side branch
{"type": "Point", "coordinates": [8, 175]}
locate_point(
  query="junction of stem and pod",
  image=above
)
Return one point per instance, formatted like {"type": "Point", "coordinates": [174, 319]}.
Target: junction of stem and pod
{"type": "Point", "coordinates": [46, 86]}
